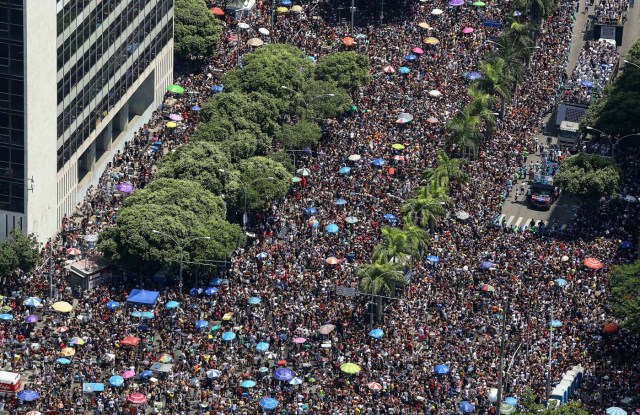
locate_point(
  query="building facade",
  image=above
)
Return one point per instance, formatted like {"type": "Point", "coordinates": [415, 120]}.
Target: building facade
{"type": "Point", "coordinates": [73, 89]}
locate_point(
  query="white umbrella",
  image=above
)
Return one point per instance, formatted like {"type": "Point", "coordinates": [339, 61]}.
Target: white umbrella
{"type": "Point", "coordinates": [355, 157]}
{"type": "Point", "coordinates": [435, 93]}
{"type": "Point", "coordinates": [436, 12]}
{"type": "Point", "coordinates": [565, 258]}
{"type": "Point", "coordinates": [264, 31]}
{"type": "Point", "coordinates": [630, 199]}
{"type": "Point", "coordinates": [304, 172]}
{"type": "Point", "coordinates": [243, 25]}
{"type": "Point", "coordinates": [351, 219]}
{"type": "Point", "coordinates": [255, 42]}
{"type": "Point", "coordinates": [462, 215]}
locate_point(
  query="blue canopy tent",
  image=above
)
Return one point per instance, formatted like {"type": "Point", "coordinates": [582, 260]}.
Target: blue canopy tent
{"type": "Point", "coordinates": [143, 297]}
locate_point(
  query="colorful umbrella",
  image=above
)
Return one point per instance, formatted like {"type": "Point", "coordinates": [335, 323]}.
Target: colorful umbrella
{"type": "Point", "coordinates": [295, 381]}
{"type": "Point", "coordinates": [282, 9]}
{"type": "Point", "coordinates": [472, 76]}
{"type": "Point", "coordinates": [466, 407]}
{"type": "Point", "coordinates": [310, 211]}
{"type": "Point", "coordinates": [248, 384]}
{"type": "Point", "coordinates": [175, 89]}
{"type": "Point", "coordinates": [201, 324]}
{"type": "Point", "coordinates": [326, 329]}
{"type": "Point", "coordinates": [165, 358]}
{"type": "Point", "coordinates": [254, 300]}
{"type": "Point", "coordinates": [6, 317]}
{"type": "Point", "coordinates": [441, 369]}
{"type": "Point", "coordinates": [28, 395]}
{"type": "Point", "coordinates": [128, 374]}
{"type": "Point", "coordinates": [479, 3]}
{"type": "Point", "coordinates": [35, 301]}
{"type": "Point", "coordinates": [378, 162]}
{"type": "Point", "coordinates": [32, 318]}
{"type": "Point", "coordinates": [555, 324]}
{"type": "Point", "coordinates": [561, 282]}
{"type": "Point", "coordinates": [404, 70]}
{"type": "Point", "coordinates": [76, 251]}
{"type": "Point", "coordinates": [195, 108]}
{"type": "Point", "coordinates": [262, 347]}
{"type": "Point", "coordinates": [76, 341]}
{"type": "Point", "coordinates": [511, 401]}
{"type": "Point", "coordinates": [146, 374]}
{"type": "Point", "coordinates": [295, 179]}
{"type": "Point", "coordinates": [487, 288]}
{"type": "Point", "coordinates": [283, 374]}
{"type": "Point", "coordinates": [340, 202]}
{"type": "Point", "coordinates": [210, 291]}
{"type": "Point", "coordinates": [112, 305]}
{"type": "Point", "coordinates": [137, 398]}
{"type": "Point", "coordinates": [431, 40]}
{"type": "Point", "coordinates": [376, 333]}
{"type": "Point", "coordinates": [487, 265]}
{"type": "Point", "coordinates": [67, 352]}
{"type": "Point", "coordinates": [268, 403]}
{"type": "Point", "coordinates": [374, 386]}
{"type": "Point", "coordinates": [417, 51]}
{"type": "Point", "coordinates": [391, 218]}
{"type": "Point", "coordinates": [467, 30]}
{"type": "Point", "coordinates": [175, 117]}
{"type": "Point", "coordinates": [592, 263]}
{"type": "Point", "coordinates": [299, 340]}
{"type": "Point", "coordinates": [171, 305]}
{"type": "Point", "coordinates": [610, 328]}
{"type": "Point", "coordinates": [614, 410]}
{"type": "Point", "coordinates": [130, 341]}
{"type": "Point", "coordinates": [344, 170]}
{"type": "Point", "coordinates": [62, 307]}
{"type": "Point", "coordinates": [332, 260]}
{"type": "Point", "coordinates": [456, 3]}
{"type": "Point", "coordinates": [411, 57]}
{"type": "Point", "coordinates": [213, 374]}
{"type": "Point", "coordinates": [351, 219]}
{"type": "Point", "coordinates": [116, 381]}
{"type": "Point", "coordinates": [228, 336]}
{"type": "Point", "coordinates": [350, 368]}
{"type": "Point", "coordinates": [404, 118]}
{"type": "Point", "coordinates": [125, 187]}
{"type": "Point", "coordinates": [63, 361]}
{"type": "Point", "coordinates": [348, 41]}
{"type": "Point", "coordinates": [171, 124]}
{"type": "Point", "coordinates": [332, 228]}
{"type": "Point", "coordinates": [217, 11]}
{"type": "Point", "coordinates": [424, 25]}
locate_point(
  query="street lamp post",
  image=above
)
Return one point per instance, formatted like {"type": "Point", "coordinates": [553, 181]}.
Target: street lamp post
{"type": "Point", "coordinates": [631, 63]}
{"type": "Point", "coordinates": [306, 105]}
{"type": "Point", "coordinates": [181, 247]}
{"type": "Point", "coordinates": [612, 143]}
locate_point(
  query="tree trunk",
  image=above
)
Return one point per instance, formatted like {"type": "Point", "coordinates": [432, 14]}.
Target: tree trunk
{"type": "Point", "coordinates": [379, 309]}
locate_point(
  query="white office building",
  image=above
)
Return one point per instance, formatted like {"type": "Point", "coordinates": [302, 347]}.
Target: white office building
{"type": "Point", "coordinates": [77, 79]}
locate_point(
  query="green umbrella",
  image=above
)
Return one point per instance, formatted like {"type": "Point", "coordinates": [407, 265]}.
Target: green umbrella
{"type": "Point", "coordinates": [479, 3]}
{"type": "Point", "coordinates": [295, 179]}
{"type": "Point", "coordinates": [350, 368]}
{"type": "Point", "coordinates": [215, 328]}
{"type": "Point", "coordinates": [353, 108]}
{"type": "Point", "coordinates": [175, 89]}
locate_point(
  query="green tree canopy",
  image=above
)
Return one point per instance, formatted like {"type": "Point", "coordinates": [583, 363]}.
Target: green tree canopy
{"type": "Point", "coordinates": [188, 195]}
{"type": "Point", "coordinates": [625, 301]}
{"type": "Point", "coordinates": [589, 176]}
{"type": "Point", "coordinates": [269, 68]}
{"type": "Point", "coordinates": [132, 244]}
{"type": "Point", "coordinates": [283, 158]}
{"type": "Point", "coordinates": [232, 107]}
{"type": "Point", "coordinates": [18, 252]}
{"type": "Point", "coordinates": [215, 130]}
{"type": "Point", "coordinates": [347, 69]}
{"type": "Point", "coordinates": [200, 161]}
{"type": "Point", "coordinates": [197, 31]}
{"type": "Point", "coordinates": [244, 144]}
{"type": "Point", "coordinates": [299, 135]}
{"type": "Point", "coordinates": [251, 176]}
{"type": "Point", "coordinates": [324, 99]}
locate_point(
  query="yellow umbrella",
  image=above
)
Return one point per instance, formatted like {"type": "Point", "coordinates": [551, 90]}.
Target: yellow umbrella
{"type": "Point", "coordinates": [350, 368]}
{"type": "Point", "coordinates": [255, 42]}
{"type": "Point", "coordinates": [67, 352]}
{"type": "Point", "coordinates": [424, 25]}
{"type": "Point", "coordinates": [397, 146]}
{"type": "Point", "coordinates": [62, 307]}
{"type": "Point", "coordinates": [296, 9]}
{"type": "Point", "coordinates": [172, 124]}
{"type": "Point", "coordinates": [282, 9]}
{"type": "Point", "coordinates": [6, 308]}
{"type": "Point", "coordinates": [431, 40]}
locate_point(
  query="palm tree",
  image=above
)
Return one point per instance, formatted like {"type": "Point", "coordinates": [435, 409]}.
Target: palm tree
{"type": "Point", "coordinates": [446, 170]}
{"type": "Point", "coordinates": [424, 211]}
{"type": "Point", "coordinates": [464, 133]}
{"type": "Point", "coordinates": [380, 279]}
{"type": "Point", "coordinates": [482, 105]}
{"type": "Point", "coordinates": [416, 235]}
{"type": "Point", "coordinates": [496, 81]}
{"type": "Point", "coordinates": [434, 190]}
{"type": "Point", "coordinates": [395, 247]}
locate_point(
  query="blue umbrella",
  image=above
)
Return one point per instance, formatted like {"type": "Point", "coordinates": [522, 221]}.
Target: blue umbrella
{"type": "Point", "coordinates": [255, 300]}
{"type": "Point", "coordinates": [511, 401]}
{"type": "Point", "coordinates": [555, 323]}
{"type": "Point", "coordinates": [517, 13]}
{"type": "Point", "coordinates": [213, 374]}
{"type": "Point", "coordinates": [390, 217]}
{"type": "Point", "coordinates": [146, 374]}
{"type": "Point", "coordinates": [614, 410]}
{"type": "Point", "coordinates": [136, 314]}
{"type": "Point", "coordinates": [112, 305]}
{"type": "Point", "coordinates": [268, 403]}
{"type": "Point", "coordinates": [283, 374]}
{"type": "Point", "coordinates": [441, 369]}
{"type": "Point", "coordinates": [219, 281]}
{"type": "Point", "coordinates": [6, 317]}
{"type": "Point", "coordinates": [248, 384]}
{"type": "Point", "coordinates": [340, 202]}
{"type": "Point", "coordinates": [561, 282]}
{"type": "Point", "coordinates": [411, 57]}
{"type": "Point", "coordinates": [378, 162]}
{"type": "Point", "coordinates": [404, 70]}
{"type": "Point", "coordinates": [332, 228]}
{"type": "Point", "coordinates": [92, 387]}
{"type": "Point", "coordinates": [116, 381]}
{"type": "Point", "coordinates": [433, 259]}
{"type": "Point", "coordinates": [217, 88]}
{"type": "Point", "coordinates": [210, 291]}
{"type": "Point", "coordinates": [147, 315]}
{"type": "Point", "coordinates": [285, 3]}
{"type": "Point", "coordinates": [376, 333]}
{"type": "Point", "coordinates": [472, 76]}
{"type": "Point", "coordinates": [344, 170]}
{"type": "Point", "coordinates": [228, 336]}
{"type": "Point", "coordinates": [486, 265]}
{"type": "Point", "coordinates": [295, 382]}
{"type": "Point", "coordinates": [310, 211]}
{"type": "Point", "coordinates": [626, 245]}
{"type": "Point", "coordinates": [466, 407]}
{"type": "Point", "coordinates": [28, 395]}
{"type": "Point", "coordinates": [63, 361]}
{"type": "Point", "coordinates": [195, 108]}
{"type": "Point", "coordinates": [587, 84]}
{"type": "Point", "coordinates": [262, 347]}
{"type": "Point", "coordinates": [201, 324]}
{"type": "Point", "coordinates": [262, 255]}
{"type": "Point", "coordinates": [196, 291]}
{"type": "Point", "coordinates": [32, 302]}
{"type": "Point", "coordinates": [171, 305]}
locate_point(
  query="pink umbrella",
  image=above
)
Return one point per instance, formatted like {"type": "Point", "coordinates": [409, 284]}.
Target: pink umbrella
{"type": "Point", "coordinates": [417, 51]}
{"type": "Point", "coordinates": [154, 139]}
{"type": "Point", "coordinates": [127, 374]}
{"type": "Point", "coordinates": [299, 340]}
{"type": "Point", "coordinates": [175, 117]}
{"type": "Point", "coordinates": [467, 30]}
{"type": "Point", "coordinates": [388, 69]}
{"type": "Point", "coordinates": [137, 398]}
{"type": "Point", "coordinates": [374, 386]}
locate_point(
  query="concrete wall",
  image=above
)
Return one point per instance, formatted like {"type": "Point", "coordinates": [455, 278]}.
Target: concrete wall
{"type": "Point", "coordinates": [40, 117]}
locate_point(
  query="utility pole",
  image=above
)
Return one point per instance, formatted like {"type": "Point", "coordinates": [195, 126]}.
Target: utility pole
{"type": "Point", "coordinates": [50, 269]}
{"type": "Point", "coordinates": [501, 359]}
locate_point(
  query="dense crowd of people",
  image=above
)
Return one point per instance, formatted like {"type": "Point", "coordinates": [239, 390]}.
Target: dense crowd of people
{"type": "Point", "coordinates": [593, 71]}
{"type": "Point", "coordinates": [612, 11]}
{"type": "Point", "coordinates": [278, 296]}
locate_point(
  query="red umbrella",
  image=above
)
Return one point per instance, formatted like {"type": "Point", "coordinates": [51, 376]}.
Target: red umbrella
{"type": "Point", "coordinates": [592, 263]}
{"type": "Point", "coordinates": [73, 251]}
{"type": "Point", "coordinates": [130, 341]}
{"type": "Point", "coordinates": [332, 260]}
{"type": "Point", "coordinates": [217, 11]}
{"type": "Point", "coordinates": [374, 386]}
{"type": "Point", "coordinates": [610, 328]}
{"type": "Point", "coordinates": [137, 398]}
{"type": "Point", "coordinates": [282, 363]}
{"type": "Point", "coordinates": [388, 69]}
{"type": "Point", "coordinates": [348, 41]}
